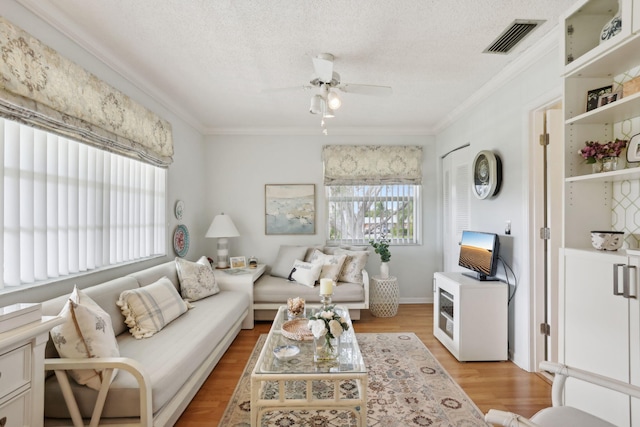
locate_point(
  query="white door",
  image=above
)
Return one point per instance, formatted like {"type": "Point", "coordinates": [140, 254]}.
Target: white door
{"type": "Point", "coordinates": [456, 182]}
{"type": "Point", "coordinates": [596, 332]}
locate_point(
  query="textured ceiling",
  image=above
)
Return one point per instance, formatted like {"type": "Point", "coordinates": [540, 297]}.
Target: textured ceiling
{"type": "Point", "coordinates": [210, 61]}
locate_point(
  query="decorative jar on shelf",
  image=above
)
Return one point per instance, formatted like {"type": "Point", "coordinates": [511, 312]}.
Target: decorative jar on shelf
{"type": "Point", "coordinates": [609, 164]}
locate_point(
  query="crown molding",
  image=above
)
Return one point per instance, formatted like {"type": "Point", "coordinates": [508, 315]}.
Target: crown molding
{"type": "Point", "coordinates": [528, 58]}
{"type": "Point", "coordinates": [50, 14]}
{"type": "Point", "coordinates": [316, 131]}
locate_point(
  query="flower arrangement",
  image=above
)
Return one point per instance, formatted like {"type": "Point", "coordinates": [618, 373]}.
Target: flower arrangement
{"type": "Point", "coordinates": [327, 323]}
{"type": "Point", "coordinates": [594, 150]}
{"type": "Point", "coordinates": [382, 249]}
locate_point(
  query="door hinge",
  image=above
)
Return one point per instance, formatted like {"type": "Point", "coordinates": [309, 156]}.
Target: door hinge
{"type": "Point", "coordinates": [545, 233]}
{"type": "Point", "coordinates": [545, 329]}
{"type": "Point", "coordinates": [544, 139]}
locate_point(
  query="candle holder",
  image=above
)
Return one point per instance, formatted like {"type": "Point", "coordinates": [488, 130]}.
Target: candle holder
{"type": "Point", "coordinates": [325, 299]}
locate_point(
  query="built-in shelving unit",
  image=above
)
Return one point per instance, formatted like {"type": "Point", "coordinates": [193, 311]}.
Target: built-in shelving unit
{"type": "Point", "coordinates": [591, 280]}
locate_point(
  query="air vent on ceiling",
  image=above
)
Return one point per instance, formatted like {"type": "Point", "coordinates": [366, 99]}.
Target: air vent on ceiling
{"type": "Point", "coordinates": [513, 35]}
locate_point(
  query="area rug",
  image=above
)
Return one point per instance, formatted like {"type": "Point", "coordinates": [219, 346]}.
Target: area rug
{"type": "Point", "coordinates": [407, 387]}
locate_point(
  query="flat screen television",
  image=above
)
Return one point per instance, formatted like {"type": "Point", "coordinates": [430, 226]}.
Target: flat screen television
{"type": "Point", "coordinates": [479, 253]}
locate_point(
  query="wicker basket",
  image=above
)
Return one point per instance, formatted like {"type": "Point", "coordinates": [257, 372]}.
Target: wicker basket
{"type": "Point", "coordinates": [297, 329]}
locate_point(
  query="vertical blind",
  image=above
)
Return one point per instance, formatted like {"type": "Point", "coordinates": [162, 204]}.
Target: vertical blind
{"type": "Point", "coordinates": [70, 208]}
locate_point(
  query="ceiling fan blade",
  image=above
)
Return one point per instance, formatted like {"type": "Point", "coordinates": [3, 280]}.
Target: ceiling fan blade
{"type": "Point", "coordinates": [323, 66]}
{"type": "Point", "coordinates": [288, 89]}
{"type": "Point", "coordinates": [366, 89]}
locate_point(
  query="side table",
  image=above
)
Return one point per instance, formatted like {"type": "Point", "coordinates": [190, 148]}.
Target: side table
{"type": "Point", "coordinates": [240, 280]}
{"type": "Point", "coordinates": [384, 296]}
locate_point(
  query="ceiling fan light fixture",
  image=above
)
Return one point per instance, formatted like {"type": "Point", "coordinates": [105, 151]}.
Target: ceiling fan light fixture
{"type": "Point", "coordinates": [333, 100]}
{"type": "Point", "coordinates": [317, 104]}
{"type": "Point", "coordinates": [328, 113]}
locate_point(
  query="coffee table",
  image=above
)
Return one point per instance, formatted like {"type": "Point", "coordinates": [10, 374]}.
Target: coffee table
{"type": "Point", "coordinates": [289, 385]}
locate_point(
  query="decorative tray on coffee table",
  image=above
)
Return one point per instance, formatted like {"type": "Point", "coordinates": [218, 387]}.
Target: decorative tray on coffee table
{"type": "Point", "coordinates": [297, 329]}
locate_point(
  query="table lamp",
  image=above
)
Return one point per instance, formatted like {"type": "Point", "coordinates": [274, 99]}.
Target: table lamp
{"type": "Point", "coordinates": [222, 227]}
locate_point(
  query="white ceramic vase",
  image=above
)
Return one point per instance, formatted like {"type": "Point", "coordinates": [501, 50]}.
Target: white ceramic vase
{"type": "Point", "coordinates": [384, 270]}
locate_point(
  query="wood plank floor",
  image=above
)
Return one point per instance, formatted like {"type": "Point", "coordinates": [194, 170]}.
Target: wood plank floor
{"type": "Point", "coordinates": [499, 385]}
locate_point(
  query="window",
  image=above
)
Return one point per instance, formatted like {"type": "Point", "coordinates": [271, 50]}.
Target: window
{"type": "Point", "coordinates": [359, 213]}
{"type": "Point", "coordinates": [71, 208]}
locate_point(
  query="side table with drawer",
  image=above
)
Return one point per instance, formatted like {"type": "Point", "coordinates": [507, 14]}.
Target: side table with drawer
{"type": "Point", "coordinates": [22, 373]}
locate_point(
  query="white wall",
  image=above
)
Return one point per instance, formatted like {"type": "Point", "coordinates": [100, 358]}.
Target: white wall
{"type": "Point", "coordinates": [185, 174]}
{"type": "Point", "coordinates": [240, 166]}
{"type": "Point", "coordinates": [499, 123]}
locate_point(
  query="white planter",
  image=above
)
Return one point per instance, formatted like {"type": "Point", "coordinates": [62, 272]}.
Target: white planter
{"type": "Point", "coordinates": [384, 270]}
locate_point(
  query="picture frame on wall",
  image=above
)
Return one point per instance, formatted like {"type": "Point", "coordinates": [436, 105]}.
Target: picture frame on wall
{"type": "Point", "coordinates": [593, 96]}
{"type": "Point", "coordinates": [237, 262]}
{"type": "Point", "coordinates": [290, 209]}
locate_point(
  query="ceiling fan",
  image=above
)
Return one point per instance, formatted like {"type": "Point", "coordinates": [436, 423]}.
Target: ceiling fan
{"type": "Point", "coordinates": [326, 101]}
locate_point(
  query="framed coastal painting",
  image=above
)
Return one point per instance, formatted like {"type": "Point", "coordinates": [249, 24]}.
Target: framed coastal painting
{"type": "Point", "coordinates": [290, 208]}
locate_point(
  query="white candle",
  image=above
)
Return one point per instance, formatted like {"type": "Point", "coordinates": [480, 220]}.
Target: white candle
{"type": "Point", "coordinates": [326, 286]}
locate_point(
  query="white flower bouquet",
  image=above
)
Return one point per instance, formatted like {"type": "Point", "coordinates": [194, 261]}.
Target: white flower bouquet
{"type": "Point", "coordinates": [327, 323]}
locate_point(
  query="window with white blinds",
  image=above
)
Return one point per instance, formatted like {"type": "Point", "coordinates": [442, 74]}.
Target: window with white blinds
{"type": "Point", "coordinates": [359, 213]}
{"type": "Point", "coordinates": [70, 208]}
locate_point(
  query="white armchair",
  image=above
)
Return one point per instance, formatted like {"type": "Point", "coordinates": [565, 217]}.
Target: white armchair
{"type": "Point", "coordinates": [558, 414]}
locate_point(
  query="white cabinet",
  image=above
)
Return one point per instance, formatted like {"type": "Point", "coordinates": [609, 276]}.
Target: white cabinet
{"type": "Point", "coordinates": [600, 327]}
{"type": "Point", "coordinates": [470, 317]}
{"type": "Point", "coordinates": [22, 373]}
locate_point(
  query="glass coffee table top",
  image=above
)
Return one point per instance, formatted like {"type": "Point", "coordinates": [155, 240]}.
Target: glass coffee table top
{"type": "Point", "coordinates": [349, 360]}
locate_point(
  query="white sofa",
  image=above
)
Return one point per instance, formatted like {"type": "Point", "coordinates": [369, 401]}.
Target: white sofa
{"type": "Point", "coordinates": [273, 288]}
{"type": "Point", "coordinates": [161, 373]}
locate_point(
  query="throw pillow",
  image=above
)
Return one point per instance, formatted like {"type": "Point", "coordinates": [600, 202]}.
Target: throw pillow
{"type": "Point", "coordinates": [150, 308]}
{"type": "Point", "coordinates": [287, 255]}
{"type": "Point", "coordinates": [353, 266]}
{"type": "Point", "coordinates": [331, 264]}
{"type": "Point", "coordinates": [196, 279]}
{"type": "Point", "coordinates": [306, 273]}
{"type": "Point", "coordinates": [86, 333]}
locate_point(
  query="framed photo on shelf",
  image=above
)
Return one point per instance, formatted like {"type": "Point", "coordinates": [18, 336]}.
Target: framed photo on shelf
{"type": "Point", "coordinates": [290, 208]}
{"type": "Point", "coordinates": [633, 149]}
{"type": "Point", "coordinates": [237, 262]}
{"type": "Point", "coordinates": [607, 98]}
{"type": "Point", "coordinates": [593, 96]}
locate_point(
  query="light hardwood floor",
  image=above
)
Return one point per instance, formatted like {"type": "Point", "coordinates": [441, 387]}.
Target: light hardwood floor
{"type": "Point", "coordinates": [499, 385]}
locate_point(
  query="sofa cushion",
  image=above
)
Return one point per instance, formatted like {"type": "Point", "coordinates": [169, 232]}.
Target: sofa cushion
{"type": "Point", "coordinates": [85, 333]}
{"type": "Point", "coordinates": [153, 274]}
{"type": "Point", "coordinates": [150, 308]}
{"type": "Point", "coordinates": [353, 265]}
{"type": "Point", "coordinates": [306, 273]}
{"type": "Point", "coordinates": [269, 289]}
{"type": "Point", "coordinates": [287, 255]}
{"type": "Point", "coordinates": [196, 334]}
{"type": "Point", "coordinates": [331, 264]}
{"type": "Point", "coordinates": [196, 279]}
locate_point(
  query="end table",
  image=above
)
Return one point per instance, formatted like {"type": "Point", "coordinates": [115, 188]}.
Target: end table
{"type": "Point", "coordinates": [384, 296]}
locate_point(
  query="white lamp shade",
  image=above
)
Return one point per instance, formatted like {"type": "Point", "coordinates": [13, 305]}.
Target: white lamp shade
{"type": "Point", "coordinates": [222, 226]}
{"type": "Point", "coordinates": [333, 100]}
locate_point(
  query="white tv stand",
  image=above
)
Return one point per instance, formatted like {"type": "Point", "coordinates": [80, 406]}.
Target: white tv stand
{"type": "Point", "coordinates": [470, 317]}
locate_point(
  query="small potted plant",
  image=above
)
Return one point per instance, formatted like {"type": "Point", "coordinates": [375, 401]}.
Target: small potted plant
{"type": "Point", "coordinates": [382, 249]}
{"type": "Point", "coordinates": [603, 157]}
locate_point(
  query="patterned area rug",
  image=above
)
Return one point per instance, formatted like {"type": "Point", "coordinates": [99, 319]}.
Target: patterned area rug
{"type": "Point", "coordinates": [407, 387]}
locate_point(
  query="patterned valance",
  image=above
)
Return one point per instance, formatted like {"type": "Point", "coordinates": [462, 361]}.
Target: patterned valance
{"type": "Point", "coordinates": [372, 164]}
{"type": "Point", "coordinates": [41, 88]}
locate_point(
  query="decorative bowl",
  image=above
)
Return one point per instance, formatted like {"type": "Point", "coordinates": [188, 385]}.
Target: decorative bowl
{"type": "Point", "coordinates": [607, 240]}
{"type": "Point", "coordinates": [286, 352]}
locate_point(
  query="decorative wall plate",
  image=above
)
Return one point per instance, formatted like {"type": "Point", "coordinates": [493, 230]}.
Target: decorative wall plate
{"type": "Point", "coordinates": [181, 240]}
{"type": "Point", "coordinates": [486, 174]}
{"type": "Point", "coordinates": [179, 210]}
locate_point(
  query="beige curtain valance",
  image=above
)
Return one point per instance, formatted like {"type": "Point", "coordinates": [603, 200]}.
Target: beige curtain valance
{"type": "Point", "coordinates": [41, 88]}
{"type": "Point", "coordinates": [372, 164]}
